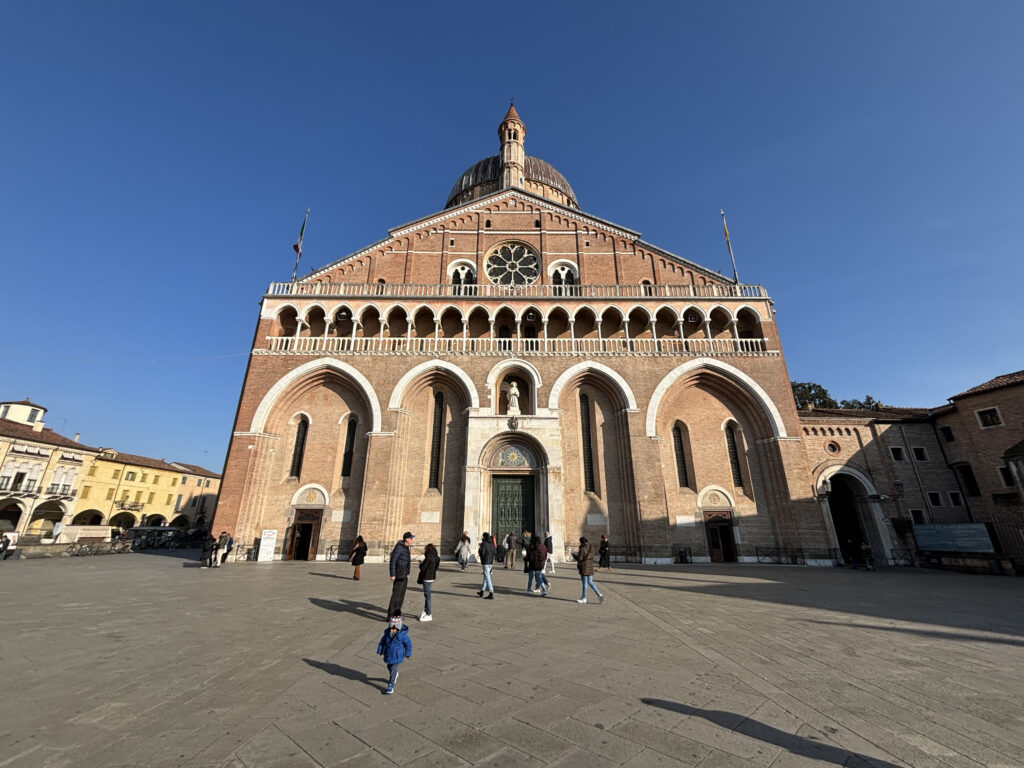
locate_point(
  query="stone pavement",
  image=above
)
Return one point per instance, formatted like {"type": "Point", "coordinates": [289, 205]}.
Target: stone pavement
{"type": "Point", "coordinates": [147, 660]}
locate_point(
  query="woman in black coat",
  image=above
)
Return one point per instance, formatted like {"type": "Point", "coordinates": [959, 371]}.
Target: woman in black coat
{"type": "Point", "coordinates": [428, 572]}
{"type": "Point", "coordinates": [604, 554]}
{"type": "Point", "coordinates": [358, 555]}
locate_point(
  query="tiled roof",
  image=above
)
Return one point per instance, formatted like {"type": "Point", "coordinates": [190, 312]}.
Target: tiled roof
{"type": "Point", "coordinates": [884, 413]}
{"type": "Point", "coordinates": [195, 469]}
{"type": "Point", "coordinates": [1006, 380]}
{"type": "Point", "coordinates": [19, 431]}
{"type": "Point", "coordinates": [141, 461]}
{"type": "Point", "coordinates": [26, 401]}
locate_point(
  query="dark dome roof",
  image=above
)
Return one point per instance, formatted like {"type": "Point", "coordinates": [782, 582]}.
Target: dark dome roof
{"type": "Point", "coordinates": [489, 169]}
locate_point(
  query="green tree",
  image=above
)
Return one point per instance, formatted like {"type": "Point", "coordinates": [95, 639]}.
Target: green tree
{"type": "Point", "coordinates": [867, 404]}
{"type": "Point", "coordinates": [807, 392]}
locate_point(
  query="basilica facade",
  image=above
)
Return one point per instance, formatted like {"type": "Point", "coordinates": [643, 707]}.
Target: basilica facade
{"type": "Point", "coordinates": [512, 362]}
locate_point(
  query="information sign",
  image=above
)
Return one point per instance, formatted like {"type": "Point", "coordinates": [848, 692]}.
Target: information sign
{"type": "Point", "coordinates": [267, 543]}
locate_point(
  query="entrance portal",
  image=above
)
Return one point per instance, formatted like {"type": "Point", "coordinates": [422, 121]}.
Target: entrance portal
{"type": "Point", "coordinates": [845, 510]}
{"type": "Point", "coordinates": [305, 535]}
{"type": "Point", "coordinates": [511, 504]}
{"type": "Point", "coordinates": [721, 544]}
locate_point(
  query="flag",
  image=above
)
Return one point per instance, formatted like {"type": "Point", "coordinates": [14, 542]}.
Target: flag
{"type": "Point", "coordinates": [302, 230]}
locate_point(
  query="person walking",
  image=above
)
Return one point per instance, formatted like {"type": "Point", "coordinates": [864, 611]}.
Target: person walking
{"type": "Point", "coordinates": [511, 542]}
{"type": "Point", "coordinates": [536, 555]}
{"type": "Point", "coordinates": [398, 568]}
{"type": "Point", "coordinates": [358, 556]}
{"type": "Point", "coordinates": [224, 546]}
{"type": "Point", "coordinates": [428, 572]}
{"type": "Point", "coordinates": [584, 558]}
{"type": "Point", "coordinates": [549, 544]}
{"type": "Point", "coordinates": [604, 554]}
{"type": "Point", "coordinates": [395, 647]}
{"type": "Point", "coordinates": [463, 550]}
{"type": "Point", "coordinates": [5, 543]}
{"type": "Point", "coordinates": [486, 554]}
{"type": "Point", "coordinates": [209, 546]}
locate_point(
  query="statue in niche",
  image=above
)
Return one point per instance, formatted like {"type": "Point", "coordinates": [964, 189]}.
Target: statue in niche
{"type": "Point", "coordinates": [513, 398]}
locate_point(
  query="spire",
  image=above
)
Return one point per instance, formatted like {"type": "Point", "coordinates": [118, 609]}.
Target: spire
{"type": "Point", "coordinates": [512, 133]}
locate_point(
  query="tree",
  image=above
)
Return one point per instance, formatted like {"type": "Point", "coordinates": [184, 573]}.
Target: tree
{"type": "Point", "coordinates": [807, 392]}
{"type": "Point", "coordinates": [867, 404]}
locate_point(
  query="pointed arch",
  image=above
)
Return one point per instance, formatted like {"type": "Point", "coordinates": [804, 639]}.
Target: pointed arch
{"type": "Point", "coordinates": [259, 419]}
{"type": "Point", "coordinates": [433, 365]}
{"type": "Point", "coordinates": [589, 366]}
{"type": "Point", "coordinates": [738, 377]}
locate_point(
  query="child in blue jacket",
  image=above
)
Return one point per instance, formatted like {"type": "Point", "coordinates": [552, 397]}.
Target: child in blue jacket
{"type": "Point", "coordinates": [395, 647]}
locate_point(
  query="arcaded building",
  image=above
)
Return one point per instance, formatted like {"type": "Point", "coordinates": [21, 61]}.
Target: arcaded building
{"type": "Point", "coordinates": [511, 362]}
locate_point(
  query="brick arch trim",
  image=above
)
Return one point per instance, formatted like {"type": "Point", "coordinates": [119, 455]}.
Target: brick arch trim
{"type": "Point", "coordinates": [433, 365]}
{"type": "Point", "coordinates": [735, 375]}
{"type": "Point", "coordinates": [259, 420]}
{"type": "Point", "coordinates": [590, 366]}
{"type": "Point", "coordinates": [844, 469]}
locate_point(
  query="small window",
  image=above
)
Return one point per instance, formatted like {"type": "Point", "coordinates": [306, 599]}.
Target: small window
{"type": "Point", "coordinates": [85, 491]}
{"type": "Point", "coordinates": [451, 241]}
{"type": "Point", "coordinates": [536, 223]}
{"type": "Point", "coordinates": [156, 479]}
{"type": "Point", "coordinates": [935, 498]}
{"type": "Point", "coordinates": [955, 499]}
{"type": "Point", "coordinates": [149, 500]}
{"type": "Point", "coordinates": [174, 481]}
{"type": "Point", "coordinates": [193, 501]}
{"type": "Point", "coordinates": [110, 493]}
{"type": "Point", "coordinates": [3, 413]}
{"type": "Point", "coordinates": [4, 482]}
{"type": "Point", "coordinates": [832, 447]}
{"type": "Point", "coordinates": [117, 474]}
{"type": "Point", "coordinates": [897, 453]}
{"type": "Point", "coordinates": [207, 485]}
{"type": "Point", "coordinates": [989, 417]}
{"type": "Point", "coordinates": [199, 480]}
{"type": "Point", "coordinates": [145, 476]}
{"type": "Point", "coordinates": [947, 434]}
{"type": "Point", "coordinates": [138, 496]}
{"type": "Point", "coordinates": [917, 515]}
{"type": "Point", "coordinates": [169, 497]}
{"type": "Point", "coordinates": [124, 495]}
{"type": "Point", "coordinates": [487, 224]}
{"type": "Point", "coordinates": [1007, 477]}
{"type": "Point", "coordinates": [33, 415]}
{"type": "Point", "coordinates": [967, 479]}
{"type": "Point", "coordinates": [129, 476]}
{"type": "Point", "coordinates": [920, 454]}
{"type": "Point", "coordinates": [586, 243]}
{"type": "Point", "coordinates": [92, 471]}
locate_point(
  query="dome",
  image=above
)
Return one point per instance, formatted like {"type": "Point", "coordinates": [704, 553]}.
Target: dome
{"type": "Point", "coordinates": [484, 177]}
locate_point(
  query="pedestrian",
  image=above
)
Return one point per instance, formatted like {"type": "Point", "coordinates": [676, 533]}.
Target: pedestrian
{"type": "Point", "coordinates": [224, 546]}
{"type": "Point", "coordinates": [511, 542]}
{"type": "Point", "coordinates": [486, 554]}
{"type": "Point", "coordinates": [5, 543]}
{"type": "Point", "coordinates": [464, 550]}
{"type": "Point", "coordinates": [428, 572]}
{"type": "Point", "coordinates": [604, 554]}
{"type": "Point", "coordinates": [536, 555]}
{"type": "Point", "coordinates": [358, 556]}
{"type": "Point", "coordinates": [550, 545]}
{"type": "Point", "coordinates": [398, 568]}
{"type": "Point", "coordinates": [584, 558]}
{"type": "Point", "coordinates": [209, 546]}
{"type": "Point", "coordinates": [527, 537]}
{"type": "Point", "coordinates": [395, 647]}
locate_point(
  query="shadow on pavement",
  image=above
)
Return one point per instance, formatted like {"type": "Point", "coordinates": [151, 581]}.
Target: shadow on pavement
{"type": "Point", "coordinates": [366, 610]}
{"type": "Point", "coordinates": [922, 632]}
{"type": "Point", "coordinates": [180, 554]}
{"type": "Point", "coordinates": [348, 674]}
{"type": "Point", "coordinates": [797, 745]}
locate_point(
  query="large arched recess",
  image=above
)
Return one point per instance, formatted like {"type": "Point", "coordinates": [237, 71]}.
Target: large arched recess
{"type": "Point", "coordinates": [431, 505]}
{"type": "Point", "coordinates": [708, 400]}
{"type": "Point", "coordinates": [327, 397]}
{"type": "Point", "coordinates": [608, 505]}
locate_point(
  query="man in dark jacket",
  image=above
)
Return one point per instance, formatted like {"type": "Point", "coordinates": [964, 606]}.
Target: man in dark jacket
{"type": "Point", "coordinates": [398, 568]}
{"type": "Point", "coordinates": [486, 555]}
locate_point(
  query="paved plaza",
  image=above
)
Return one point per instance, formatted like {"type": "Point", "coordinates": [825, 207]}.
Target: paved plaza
{"type": "Point", "coordinates": [147, 660]}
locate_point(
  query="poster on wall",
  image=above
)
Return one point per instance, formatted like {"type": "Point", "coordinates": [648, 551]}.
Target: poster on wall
{"type": "Point", "coordinates": [267, 543]}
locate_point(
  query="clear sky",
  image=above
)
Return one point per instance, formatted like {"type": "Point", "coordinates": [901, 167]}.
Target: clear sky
{"type": "Point", "coordinates": [157, 159]}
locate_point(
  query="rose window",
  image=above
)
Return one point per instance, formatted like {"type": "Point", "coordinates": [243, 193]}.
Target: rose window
{"type": "Point", "coordinates": [513, 264]}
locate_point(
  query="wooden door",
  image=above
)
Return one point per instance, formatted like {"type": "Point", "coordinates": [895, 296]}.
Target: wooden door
{"type": "Point", "coordinates": [511, 505]}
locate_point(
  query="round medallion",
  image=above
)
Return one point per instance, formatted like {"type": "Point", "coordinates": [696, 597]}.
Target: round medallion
{"type": "Point", "coordinates": [714, 499]}
{"type": "Point", "coordinates": [513, 264]}
{"type": "Point", "coordinates": [312, 495]}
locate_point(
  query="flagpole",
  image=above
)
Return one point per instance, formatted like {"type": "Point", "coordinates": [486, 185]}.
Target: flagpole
{"type": "Point", "coordinates": [298, 246]}
{"type": "Point", "coordinates": [735, 274]}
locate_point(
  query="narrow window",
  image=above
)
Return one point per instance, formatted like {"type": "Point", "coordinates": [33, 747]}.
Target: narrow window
{"type": "Point", "coordinates": [1006, 476]}
{"type": "Point", "coordinates": [677, 439]}
{"type": "Point", "coordinates": [955, 499]}
{"type": "Point", "coordinates": [734, 458]}
{"type": "Point", "coordinates": [920, 454]}
{"type": "Point", "coordinates": [947, 434]}
{"type": "Point", "coordinates": [968, 480]}
{"type": "Point", "coordinates": [588, 452]}
{"type": "Point", "coordinates": [934, 498]}
{"type": "Point", "coordinates": [300, 447]}
{"type": "Point", "coordinates": [897, 453]}
{"type": "Point", "coordinates": [917, 515]}
{"type": "Point", "coordinates": [350, 439]}
{"type": "Point", "coordinates": [435, 441]}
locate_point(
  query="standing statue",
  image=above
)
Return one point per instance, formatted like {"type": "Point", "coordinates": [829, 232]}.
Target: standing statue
{"type": "Point", "coordinates": [513, 397]}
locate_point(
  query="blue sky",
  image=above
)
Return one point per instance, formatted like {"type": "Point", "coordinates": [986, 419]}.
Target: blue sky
{"type": "Point", "coordinates": [158, 158]}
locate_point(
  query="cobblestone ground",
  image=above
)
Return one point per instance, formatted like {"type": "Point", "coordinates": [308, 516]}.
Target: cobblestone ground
{"type": "Point", "coordinates": [147, 660]}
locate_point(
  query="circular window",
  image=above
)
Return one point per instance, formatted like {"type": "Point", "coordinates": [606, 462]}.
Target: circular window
{"type": "Point", "coordinates": [832, 446]}
{"type": "Point", "coordinates": [513, 264]}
